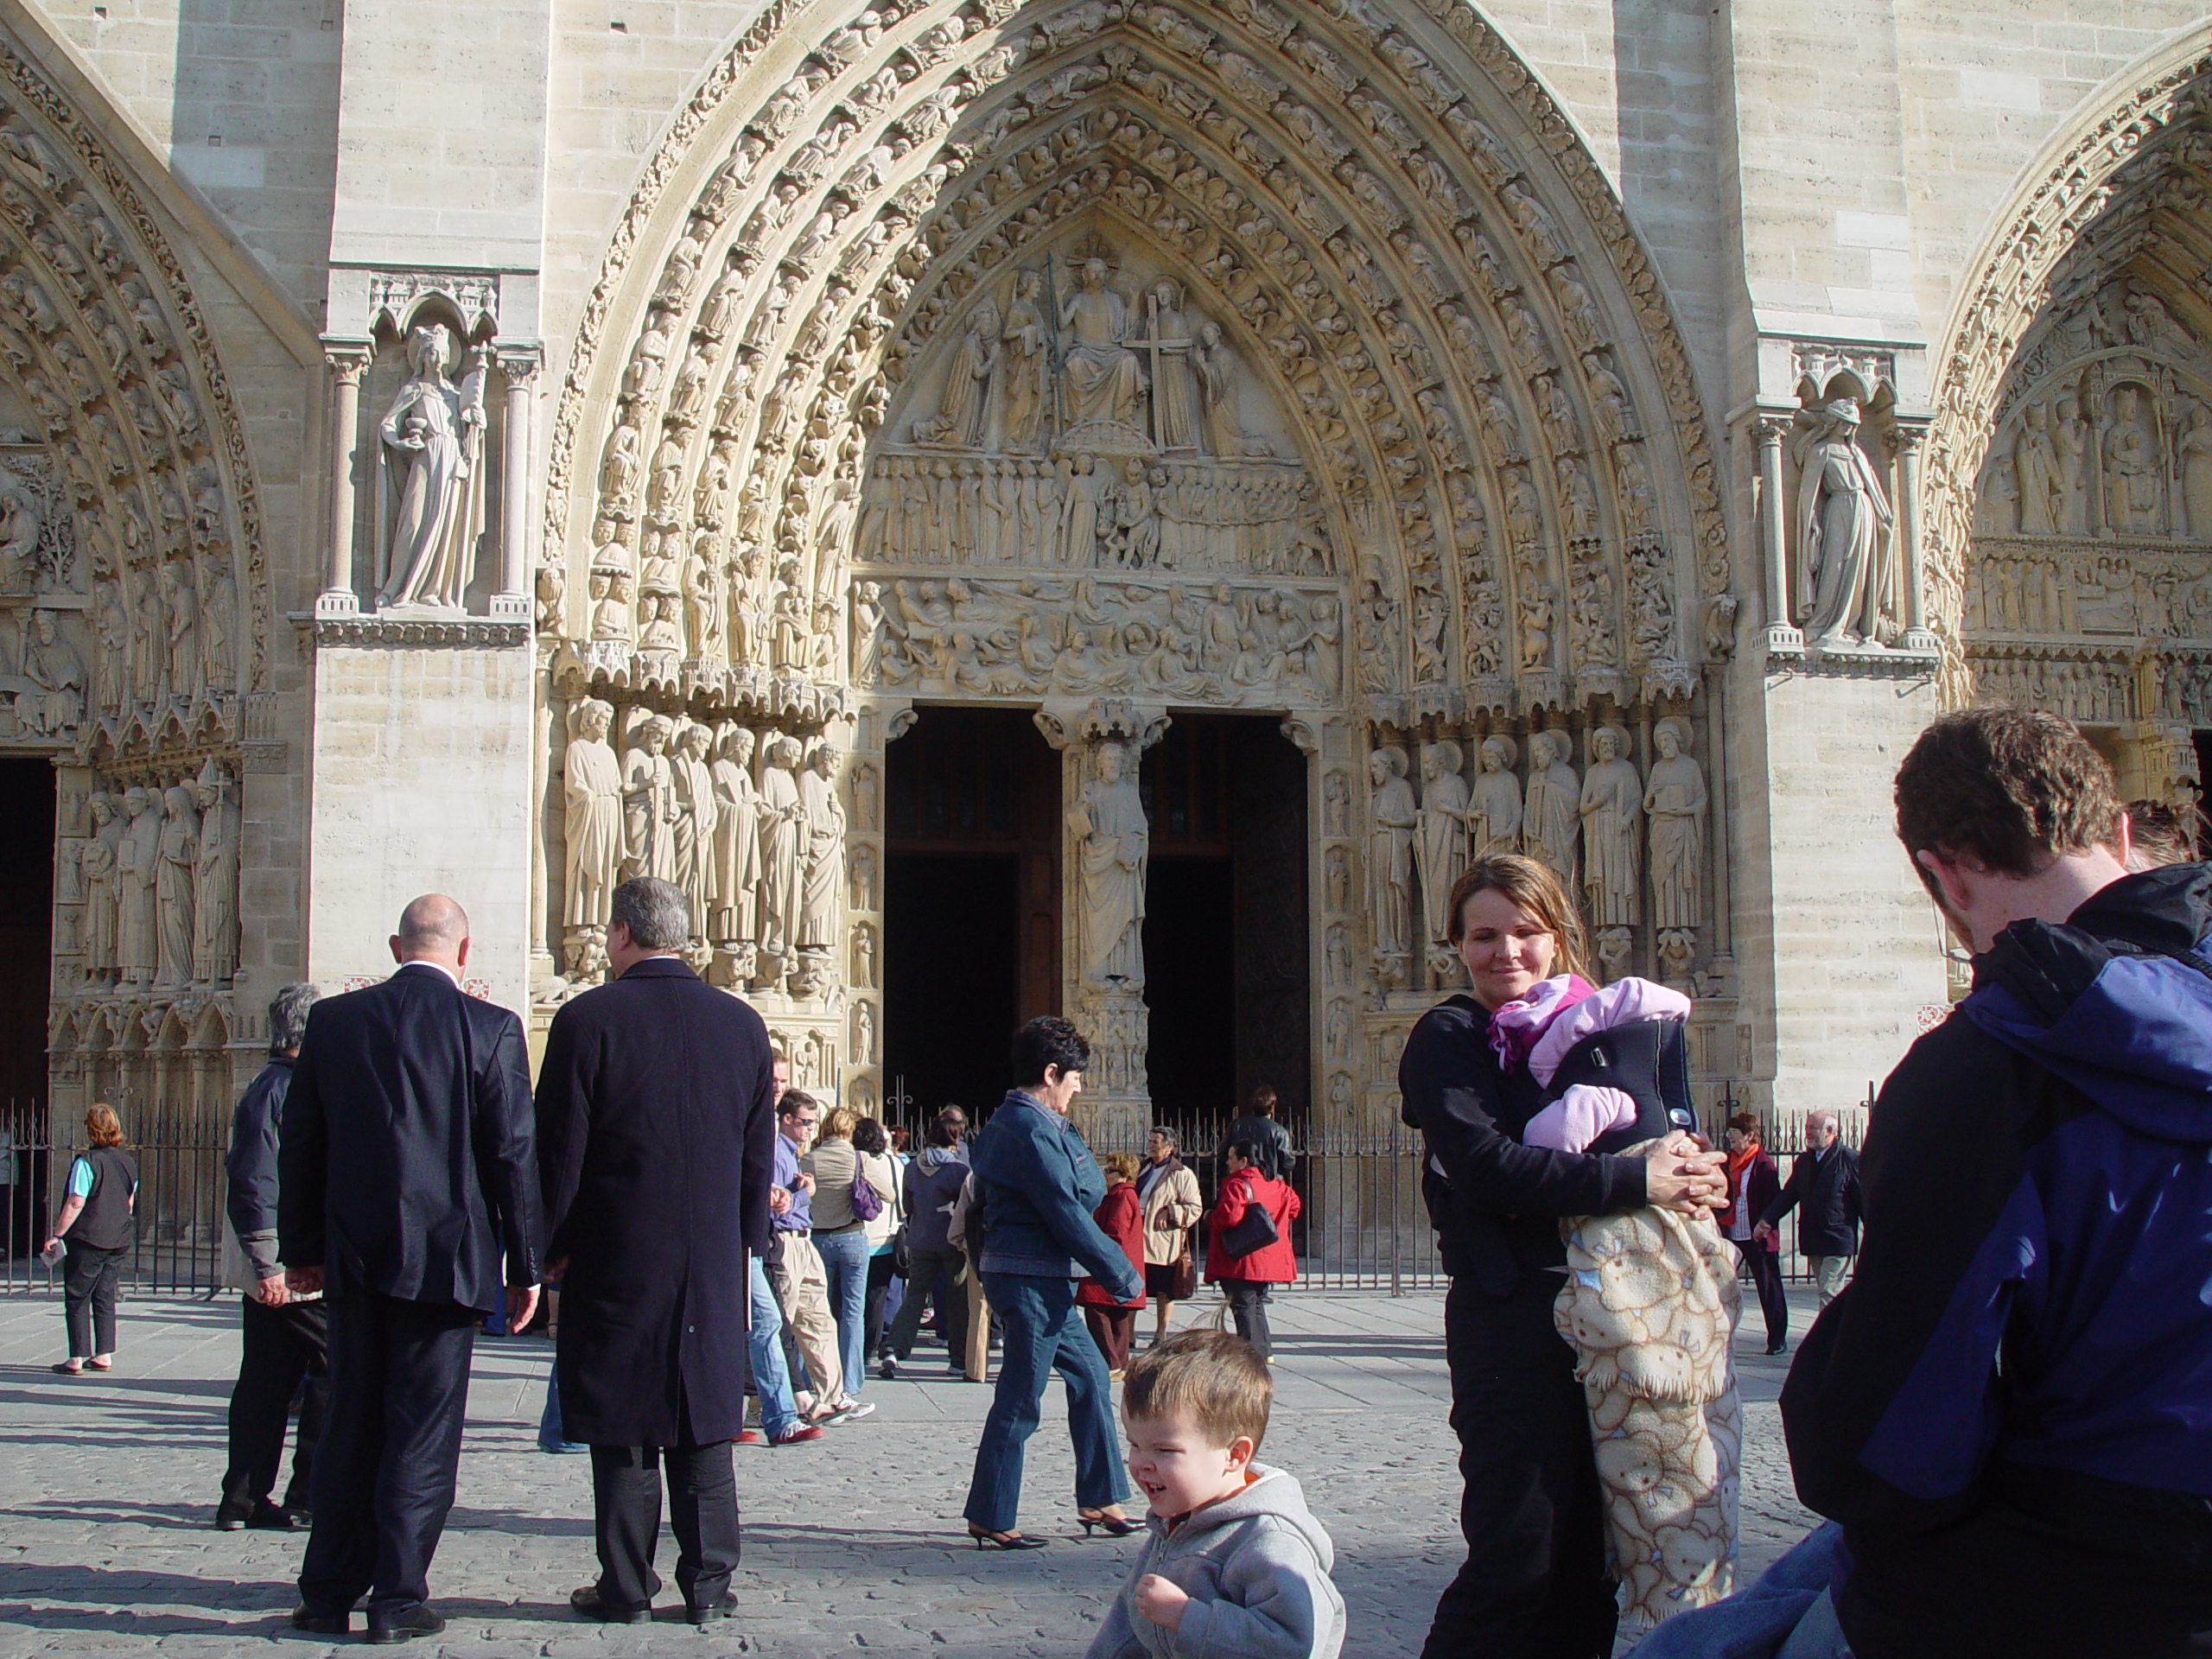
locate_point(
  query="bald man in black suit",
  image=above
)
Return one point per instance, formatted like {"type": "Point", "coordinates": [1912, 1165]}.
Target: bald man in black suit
{"type": "Point", "coordinates": [410, 1197]}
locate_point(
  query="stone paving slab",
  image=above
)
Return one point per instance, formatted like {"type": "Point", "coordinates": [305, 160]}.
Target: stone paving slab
{"type": "Point", "coordinates": [853, 1544]}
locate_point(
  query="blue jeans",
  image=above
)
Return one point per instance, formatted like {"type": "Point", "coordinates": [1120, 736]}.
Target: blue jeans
{"type": "Point", "coordinates": [764, 1346]}
{"type": "Point", "coordinates": [549, 1438]}
{"type": "Point", "coordinates": [1786, 1615]}
{"type": "Point", "coordinates": [844, 1263]}
{"type": "Point", "coordinates": [1044, 1332]}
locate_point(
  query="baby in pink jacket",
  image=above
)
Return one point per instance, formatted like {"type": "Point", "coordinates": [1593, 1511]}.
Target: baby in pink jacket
{"type": "Point", "coordinates": [1543, 1027]}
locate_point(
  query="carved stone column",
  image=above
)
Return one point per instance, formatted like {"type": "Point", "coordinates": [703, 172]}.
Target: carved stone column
{"type": "Point", "coordinates": [1783, 638]}
{"type": "Point", "coordinates": [347, 364]}
{"type": "Point", "coordinates": [511, 597]}
{"type": "Point", "coordinates": [1103, 886]}
{"type": "Point", "coordinates": [1905, 441]}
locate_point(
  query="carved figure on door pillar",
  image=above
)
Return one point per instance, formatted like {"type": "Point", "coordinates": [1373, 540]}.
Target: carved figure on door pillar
{"type": "Point", "coordinates": [177, 865]}
{"type": "Point", "coordinates": [737, 843]}
{"type": "Point", "coordinates": [1551, 813]}
{"type": "Point", "coordinates": [783, 843]}
{"type": "Point", "coordinates": [215, 881]}
{"type": "Point", "coordinates": [1675, 800]}
{"type": "Point", "coordinates": [1336, 802]}
{"type": "Point", "coordinates": [1100, 377]}
{"type": "Point", "coordinates": [649, 803]}
{"type": "Point", "coordinates": [1339, 879]}
{"type": "Point", "coordinates": [591, 789]}
{"type": "Point", "coordinates": [430, 508]}
{"type": "Point", "coordinates": [1112, 842]}
{"type": "Point", "coordinates": [1441, 846]}
{"type": "Point", "coordinates": [1843, 516]}
{"type": "Point", "coordinates": [136, 948]}
{"type": "Point", "coordinates": [864, 1033]}
{"type": "Point", "coordinates": [1494, 815]}
{"type": "Point", "coordinates": [863, 878]}
{"type": "Point", "coordinates": [1612, 797]}
{"type": "Point", "coordinates": [696, 810]}
{"type": "Point", "coordinates": [99, 866]}
{"type": "Point", "coordinates": [1390, 863]}
{"type": "Point", "coordinates": [825, 846]}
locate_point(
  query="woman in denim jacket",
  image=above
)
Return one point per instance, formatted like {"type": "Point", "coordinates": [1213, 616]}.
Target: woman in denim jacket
{"type": "Point", "coordinates": [1036, 1185]}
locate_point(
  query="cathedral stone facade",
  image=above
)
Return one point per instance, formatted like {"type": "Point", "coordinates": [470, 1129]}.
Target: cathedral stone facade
{"type": "Point", "coordinates": [1092, 506]}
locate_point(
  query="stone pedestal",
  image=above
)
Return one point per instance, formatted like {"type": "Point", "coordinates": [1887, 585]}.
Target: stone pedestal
{"type": "Point", "coordinates": [421, 758]}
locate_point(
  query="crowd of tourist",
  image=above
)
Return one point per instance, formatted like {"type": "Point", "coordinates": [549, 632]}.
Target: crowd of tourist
{"type": "Point", "coordinates": [2003, 1409]}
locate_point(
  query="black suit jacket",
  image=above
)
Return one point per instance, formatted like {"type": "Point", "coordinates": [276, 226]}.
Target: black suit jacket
{"type": "Point", "coordinates": [407, 1161]}
{"type": "Point", "coordinates": [656, 1113]}
{"type": "Point", "coordinates": [1827, 1187]}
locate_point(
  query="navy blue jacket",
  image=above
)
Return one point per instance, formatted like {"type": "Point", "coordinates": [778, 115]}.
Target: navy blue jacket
{"type": "Point", "coordinates": [2009, 1409]}
{"type": "Point", "coordinates": [251, 1164]}
{"type": "Point", "coordinates": [932, 1187]}
{"type": "Point", "coordinates": [1828, 1189]}
{"type": "Point", "coordinates": [1037, 1185]}
{"type": "Point", "coordinates": [657, 1130]}
{"type": "Point", "coordinates": [408, 1165]}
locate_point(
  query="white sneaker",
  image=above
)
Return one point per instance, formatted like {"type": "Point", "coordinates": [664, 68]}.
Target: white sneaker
{"type": "Point", "coordinates": [851, 1411]}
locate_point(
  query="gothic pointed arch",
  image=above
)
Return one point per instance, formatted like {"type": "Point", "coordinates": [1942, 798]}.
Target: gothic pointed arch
{"type": "Point", "coordinates": [1200, 355]}
{"type": "Point", "coordinates": [2070, 484]}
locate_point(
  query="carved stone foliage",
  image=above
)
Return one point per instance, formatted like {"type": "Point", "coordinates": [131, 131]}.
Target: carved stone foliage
{"type": "Point", "coordinates": [133, 607]}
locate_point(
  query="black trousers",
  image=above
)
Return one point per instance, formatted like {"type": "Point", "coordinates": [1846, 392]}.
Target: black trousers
{"type": "Point", "coordinates": [384, 1472]}
{"type": "Point", "coordinates": [279, 1349]}
{"type": "Point", "coordinates": [880, 1275]}
{"type": "Point", "coordinates": [702, 1512]}
{"type": "Point", "coordinates": [1765, 1267]}
{"type": "Point", "coordinates": [1534, 1585]}
{"type": "Point", "coordinates": [89, 1276]}
{"type": "Point", "coordinates": [1248, 1305]}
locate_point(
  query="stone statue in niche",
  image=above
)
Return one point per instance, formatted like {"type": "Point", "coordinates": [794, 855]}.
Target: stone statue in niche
{"type": "Point", "coordinates": [2035, 475]}
{"type": "Point", "coordinates": [865, 799]}
{"type": "Point", "coordinates": [22, 517]}
{"type": "Point", "coordinates": [1390, 863]}
{"type": "Point", "coordinates": [1440, 847]}
{"type": "Point", "coordinates": [783, 851]}
{"type": "Point", "coordinates": [51, 702]}
{"type": "Point", "coordinates": [1337, 1039]}
{"type": "Point", "coordinates": [863, 878]}
{"type": "Point", "coordinates": [735, 888]}
{"type": "Point", "coordinates": [864, 957]}
{"type": "Point", "coordinates": [2132, 470]}
{"type": "Point", "coordinates": [1612, 797]}
{"type": "Point", "coordinates": [592, 840]}
{"type": "Point", "coordinates": [215, 879]}
{"type": "Point", "coordinates": [1494, 817]}
{"type": "Point", "coordinates": [1174, 392]}
{"type": "Point", "coordinates": [963, 416]}
{"type": "Point", "coordinates": [218, 610]}
{"type": "Point", "coordinates": [2193, 461]}
{"type": "Point", "coordinates": [864, 1033]}
{"type": "Point", "coordinates": [2069, 436]}
{"type": "Point", "coordinates": [825, 839]}
{"type": "Point", "coordinates": [1336, 802]}
{"type": "Point", "coordinates": [1112, 839]}
{"type": "Point", "coordinates": [1674, 801]}
{"type": "Point", "coordinates": [175, 872]}
{"type": "Point", "coordinates": [1099, 378]}
{"type": "Point", "coordinates": [137, 932]}
{"type": "Point", "coordinates": [696, 810]}
{"type": "Point", "coordinates": [1026, 366]}
{"type": "Point", "coordinates": [99, 866]}
{"type": "Point", "coordinates": [649, 803]}
{"type": "Point", "coordinates": [430, 508]}
{"type": "Point", "coordinates": [180, 605]}
{"type": "Point", "coordinates": [1551, 811]}
{"type": "Point", "coordinates": [1843, 516]}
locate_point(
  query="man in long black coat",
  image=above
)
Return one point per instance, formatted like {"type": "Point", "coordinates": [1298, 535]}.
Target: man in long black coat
{"type": "Point", "coordinates": [407, 1194]}
{"type": "Point", "coordinates": [656, 1121]}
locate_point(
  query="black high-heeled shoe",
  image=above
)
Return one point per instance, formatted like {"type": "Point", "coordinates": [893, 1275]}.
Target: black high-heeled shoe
{"type": "Point", "coordinates": [986, 1539]}
{"type": "Point", "coordinates": [1117, 1526]}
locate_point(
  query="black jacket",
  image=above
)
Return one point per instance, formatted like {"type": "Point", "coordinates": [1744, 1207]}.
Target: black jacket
{"type": "Point", "coordinates": [1270, 1139]}
{"type": "Point", "coordinates": [251, 1164]}
{"type": "Point", "coordinates": [1496, 1203]}
{"type": "Point", "coordinates": [656, 1126]}
{"type": "Point", "coordinates": [407, 1167]}
{"type": "Point", "coordinates": [1827, 1188]}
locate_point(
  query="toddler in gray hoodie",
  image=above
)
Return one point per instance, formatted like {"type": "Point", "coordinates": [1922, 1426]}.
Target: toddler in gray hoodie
{"type": "Point", "coordinates": [1234, 1566]}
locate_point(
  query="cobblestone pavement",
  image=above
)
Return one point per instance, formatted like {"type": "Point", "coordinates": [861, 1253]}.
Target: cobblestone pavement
{"type": "Point", "coordinates": [108, 1486]}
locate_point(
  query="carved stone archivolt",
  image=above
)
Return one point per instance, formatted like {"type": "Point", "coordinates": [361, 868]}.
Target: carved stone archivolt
{"type": "Point", "coordinates": [1206, 357]}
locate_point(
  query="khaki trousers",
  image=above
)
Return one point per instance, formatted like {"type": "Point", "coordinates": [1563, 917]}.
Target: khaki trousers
{"type": "Point", "coordinates": [976, 1363]}
{"type": "Point", "coordinates": [803, 1291]}
{"type": "Point", "coordinates": [1830, 1275]}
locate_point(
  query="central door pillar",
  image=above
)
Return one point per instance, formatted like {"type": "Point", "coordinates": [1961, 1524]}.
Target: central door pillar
{"type": "Point", "coordinates": [1104, 870]}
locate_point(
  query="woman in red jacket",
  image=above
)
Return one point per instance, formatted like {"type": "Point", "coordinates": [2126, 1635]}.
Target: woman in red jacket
{"type": "Point", "coordinates": [1244, 1279]}
{"type": "Point", "coordinates": [1753, 1183]}
{"type": "Point", "coordinates": [1120, 1215]}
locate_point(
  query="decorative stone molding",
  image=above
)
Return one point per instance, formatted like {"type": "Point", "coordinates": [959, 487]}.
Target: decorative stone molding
{"type": "Point", "coordinates": [387, 629]}
{"type": "Point", "coordinates": [394, 295]}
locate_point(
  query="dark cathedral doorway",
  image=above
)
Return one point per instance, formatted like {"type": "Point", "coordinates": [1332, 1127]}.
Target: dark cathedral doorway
{"type": "Point", "coordinates": [26, 951]}
{"type": "Point", "coordinates": [971, 904]}
{"type": "Point", "coordinates": [1225, 944]}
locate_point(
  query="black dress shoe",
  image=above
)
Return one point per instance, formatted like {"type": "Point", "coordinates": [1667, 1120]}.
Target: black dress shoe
{"type": "Point", "coordinates": [590, 1604]}
{"type": "Point", "coordinates": [1775, 1347]}
{"type": "Point", "coordinates": [404, 1624]}
{"type": "Point", "coordinates": [724, 1606]}
{"type": "Point", "coordinates": [305, 1617]}
{"type": "Point", "coordinates": [267, 1517]}
{"type": "Point", "coordinates": [229, 1518]}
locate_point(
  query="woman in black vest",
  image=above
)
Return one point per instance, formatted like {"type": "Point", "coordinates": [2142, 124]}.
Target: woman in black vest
{"type": "Point", "coordinates": [1534, 1585]}
{"type": "Point", "coordinates": [96, 1221]}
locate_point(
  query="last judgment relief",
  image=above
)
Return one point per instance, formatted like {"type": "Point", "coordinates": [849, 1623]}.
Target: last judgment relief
{"type": "Point", "coordinates": [1107, 360]}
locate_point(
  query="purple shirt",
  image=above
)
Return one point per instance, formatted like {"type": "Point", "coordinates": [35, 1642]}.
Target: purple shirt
{"type": "Point", "coordinates": [799, 1218]}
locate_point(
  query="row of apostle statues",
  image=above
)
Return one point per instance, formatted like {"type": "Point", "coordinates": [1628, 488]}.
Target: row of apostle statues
{"type": "Point", "coordinates": [1609, 833]}
{"type": "Point", "coordinates": [160, 878]}
{"type": "Point", "coordinates": [749, 826]}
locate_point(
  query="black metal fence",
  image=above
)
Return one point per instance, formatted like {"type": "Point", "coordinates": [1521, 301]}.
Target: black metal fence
{"type": "Point", "coordinates": [179, 1211]}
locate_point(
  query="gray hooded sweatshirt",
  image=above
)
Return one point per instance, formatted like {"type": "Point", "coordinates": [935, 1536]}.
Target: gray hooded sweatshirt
{"type": "Point", "coordinates": [1256, 1568]}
